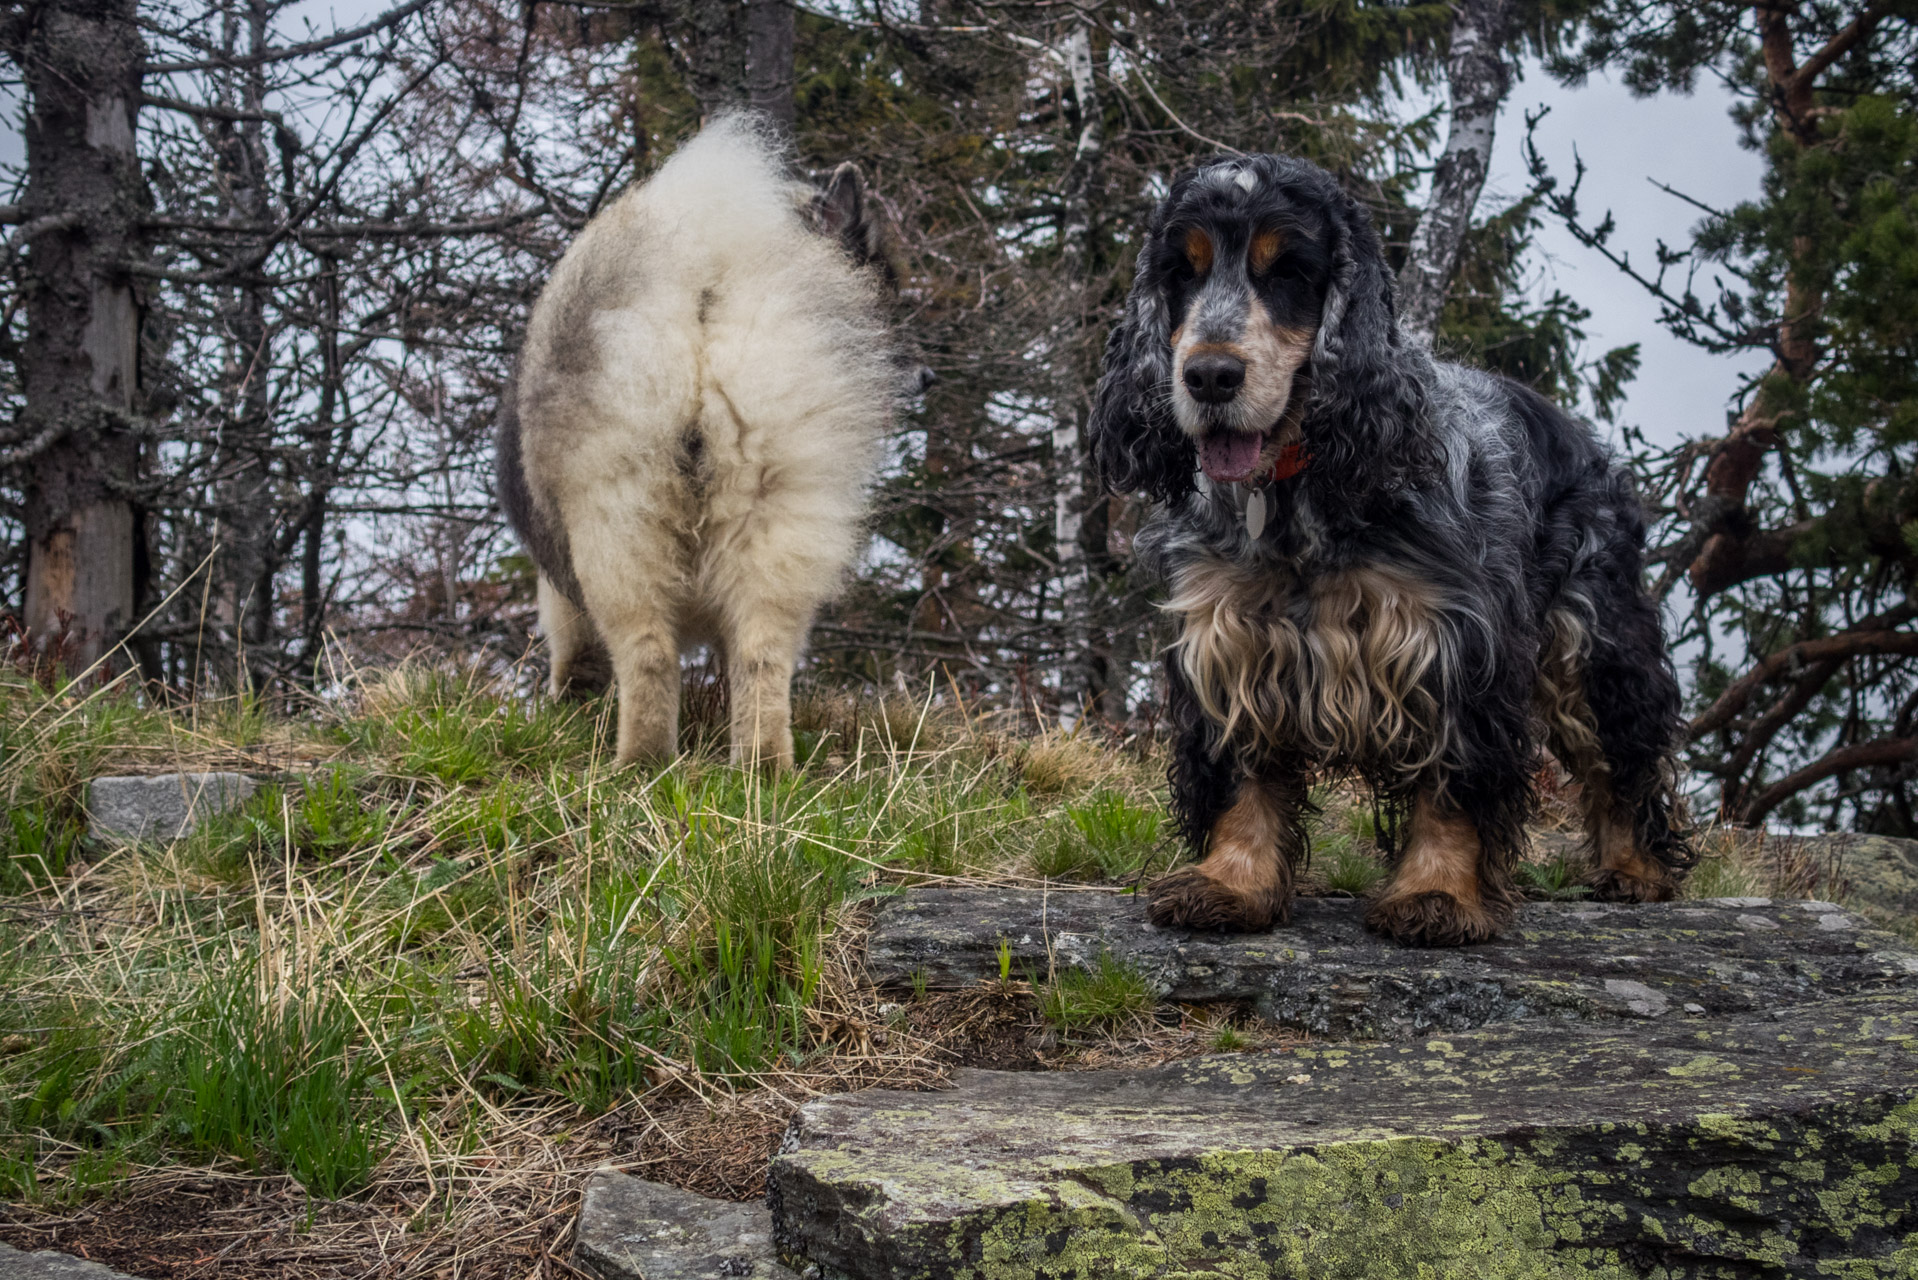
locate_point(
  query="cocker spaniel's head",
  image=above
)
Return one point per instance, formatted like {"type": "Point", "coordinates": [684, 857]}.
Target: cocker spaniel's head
{"type": "Point", "coordinates": [1259, 337]}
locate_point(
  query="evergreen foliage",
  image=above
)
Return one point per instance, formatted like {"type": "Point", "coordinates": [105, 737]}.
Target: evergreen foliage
{"type": "Point", "coordinates": [1792, 530]}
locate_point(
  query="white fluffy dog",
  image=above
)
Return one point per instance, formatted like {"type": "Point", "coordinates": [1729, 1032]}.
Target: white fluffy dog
{"type": "Point", "coordinates": [698, 411]}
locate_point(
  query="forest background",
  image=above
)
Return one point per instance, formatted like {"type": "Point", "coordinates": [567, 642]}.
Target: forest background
{"type": "Point", "coordinates": [263, 283]}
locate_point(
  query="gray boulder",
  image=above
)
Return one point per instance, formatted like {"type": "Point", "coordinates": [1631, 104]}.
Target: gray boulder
{"type": "Point", "coordinates": [631, 1229]}
{"type": "Point", "coordinates": [48, 1265]}
{"type": "Point", "coordinates": [1881, 872]}
{"type": "Point", "coordinates": [1775, 1145]}
{"type": "Point", "coordinates": [163, 807]}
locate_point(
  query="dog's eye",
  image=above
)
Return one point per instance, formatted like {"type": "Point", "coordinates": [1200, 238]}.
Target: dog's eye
{"type": "Point", "coordinates": [1292, 268]}
{"type": "Point", "coordinates": [1198, 251]}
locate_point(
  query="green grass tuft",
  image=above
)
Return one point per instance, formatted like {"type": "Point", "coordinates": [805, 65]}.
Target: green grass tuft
{"type": "Point", "coordinates": [1562, 879]}
{"type": "Point", "coordinates": [1351, 870]}
{"type": "Point", "coordinates": [280, 1082]}
{"type": "Point", "coordinates": [1109, 994]}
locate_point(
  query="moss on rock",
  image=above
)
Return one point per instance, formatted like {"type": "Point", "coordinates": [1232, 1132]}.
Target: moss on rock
{"type": "Point", "coordinates": [1768, 1146]}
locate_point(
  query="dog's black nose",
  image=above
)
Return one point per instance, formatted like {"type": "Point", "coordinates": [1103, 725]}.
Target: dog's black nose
{"type": "Point", "coordinates": [1214, 378]}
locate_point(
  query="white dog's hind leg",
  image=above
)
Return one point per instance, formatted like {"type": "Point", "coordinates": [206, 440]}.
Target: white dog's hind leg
{"type": "Point", "coordinates": [762, 645]}
{"type": "Point", "coordinates": [635, 584]}
{"type": "Point", "coordinates": [568, 632]}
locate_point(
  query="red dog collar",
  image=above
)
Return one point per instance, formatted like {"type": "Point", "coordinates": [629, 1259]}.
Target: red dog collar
{"type": "Point", "coordinates": [1291, 462]}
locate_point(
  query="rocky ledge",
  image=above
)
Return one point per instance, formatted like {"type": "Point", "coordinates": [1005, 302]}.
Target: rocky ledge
{"type": "Point", "coordinates": [631, 1229]}
{"type": "Point", "coordinates": [1325, 973]}
{"type": "Point", "coordinates": [1757, 1145]}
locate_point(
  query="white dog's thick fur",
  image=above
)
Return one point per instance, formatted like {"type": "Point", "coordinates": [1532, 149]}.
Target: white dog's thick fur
{"type": "Point", "coordinates": [701, 398]}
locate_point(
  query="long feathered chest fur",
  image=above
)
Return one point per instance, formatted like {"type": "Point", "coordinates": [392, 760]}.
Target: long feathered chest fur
{"type": "Point", "coordinates": [1346, 667]}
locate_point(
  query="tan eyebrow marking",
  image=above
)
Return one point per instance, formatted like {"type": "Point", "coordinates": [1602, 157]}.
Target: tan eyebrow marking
{"type": "Point", "coordinates": [1265, 249]}
{"type": "Point", "coordinates": [1198, 250]}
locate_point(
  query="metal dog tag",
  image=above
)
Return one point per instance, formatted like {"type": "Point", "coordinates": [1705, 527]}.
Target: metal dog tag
{"type": "Point", "coordinates": [1255, 514]}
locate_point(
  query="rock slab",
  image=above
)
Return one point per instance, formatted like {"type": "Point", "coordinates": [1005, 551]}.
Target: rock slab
{"type": "Point", "coordinates": [1327, 974]}
{"type": "Point", "coordinates": [1881, 871]}
{"type": "Point", "coordinates": [48, 1265]}
{"type": "Point", "coordinates": [631, 1229]}
{"type": "Point", "coordinates": [163, 807]}
{"type": "Point", "coordinates": [1757, 1146]}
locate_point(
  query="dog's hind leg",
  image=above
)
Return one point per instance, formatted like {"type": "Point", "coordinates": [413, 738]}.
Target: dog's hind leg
{"type": "Point", "coordinates": [1438, 895]}
{"type": "Point", "coordinates": [635, 582]}
{"type": "Point", "coordinates": [1615, 726]}
{"type": "Point", "coordinates": [762, 646]}
{"type": "Point", "coordinates": [569, 639]}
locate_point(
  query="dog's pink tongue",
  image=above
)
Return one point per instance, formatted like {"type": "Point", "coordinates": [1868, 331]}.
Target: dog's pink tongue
{"type": "Point", "coordinates": [1230, 456]}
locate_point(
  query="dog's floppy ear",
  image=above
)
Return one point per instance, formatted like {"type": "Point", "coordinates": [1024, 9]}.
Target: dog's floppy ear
{"type": "Point", "coordinates": [1136, 444]}
{"type": "Point", "coordinates": [1369, 428]}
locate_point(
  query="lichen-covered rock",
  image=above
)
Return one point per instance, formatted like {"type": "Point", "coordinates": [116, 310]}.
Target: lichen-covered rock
{"type": "Point", "coordinates": [48, 1265]}
{"type": "Point", "coordinates": [162, 807]}
{"type": "Point", "coordinates": [1325, 973]}
{"type": "Point", "coordinates": [631, 1229]}
{"type": "Point", "coordinates": [1757, 1146]}
{"type": "Point", "coordinates": [1880, 872]}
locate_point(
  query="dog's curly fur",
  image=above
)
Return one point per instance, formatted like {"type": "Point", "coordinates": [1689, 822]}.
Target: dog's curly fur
{"type": "Point", "coordinates": [1451, 580]}
{"type": "Point", "coordinates": [697, 411]}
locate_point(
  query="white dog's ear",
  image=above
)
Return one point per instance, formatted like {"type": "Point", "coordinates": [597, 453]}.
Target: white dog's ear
{"type": "Point", "coordinates": [844, 212]}
{"type": "Point", "coordinates": [842, 205]}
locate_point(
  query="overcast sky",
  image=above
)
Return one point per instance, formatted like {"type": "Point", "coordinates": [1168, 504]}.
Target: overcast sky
{"type": "Point", "coordinates": [1688, 143]}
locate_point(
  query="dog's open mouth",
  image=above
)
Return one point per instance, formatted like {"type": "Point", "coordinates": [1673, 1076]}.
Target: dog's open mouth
{"type": "Point", "coordinates": [1231, 457]}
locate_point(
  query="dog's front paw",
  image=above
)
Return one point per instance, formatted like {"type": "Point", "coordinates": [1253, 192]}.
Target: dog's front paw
{"type": "Point", "coordinates": [1432, 919]}
{"type": "Point", "coordinates": [1190, 899]}
{"type": "Point", "coordinates": [1648, 883]}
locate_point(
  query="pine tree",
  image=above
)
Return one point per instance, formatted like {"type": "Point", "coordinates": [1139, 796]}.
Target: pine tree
{"type": "Point", "coordinates": [1796, 527]}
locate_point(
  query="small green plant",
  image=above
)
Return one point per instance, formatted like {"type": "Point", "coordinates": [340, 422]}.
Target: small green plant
{"type": "Point", "coordinates": [334, 819]}
{"type": "Point", "coordinates": [442, 743]}
{"type": "Point", "coordinates": [1120, 834]}
{"type": "Point", "coordinates": [1005, 960]}
{"type": "Point", "coordinates": [229, 846]}
{"type": "Point", "coordinates": [1108, 993]}
{"type": "Point", "coordinates": [1562, 879]}
{"type": "Point", "coordinates": [1229, 1039]}
{"type": "Point", "coordinates": [1061, 853]}
{"type": "Point", "coordinates": [36, 844]}
{"type": "Point", "coordinates": [278, 1083]}
{"type": "Point", "coordinates": [1350, 870]}
{"type": "Point", "coordinates": [1722, 874]}
{"type": "Point", "coordinates": [919, 984]}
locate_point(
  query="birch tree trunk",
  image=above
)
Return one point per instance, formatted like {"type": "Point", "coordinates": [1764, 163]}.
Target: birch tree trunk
{"type": "Point", "coordinates": [1080, 677]}
{"type": "Point", "coordinates": [1479, 79]}
{"type": "Point", "coordinates": [82, 63]}
{"type": "Point", "coordinates": [248, 563]}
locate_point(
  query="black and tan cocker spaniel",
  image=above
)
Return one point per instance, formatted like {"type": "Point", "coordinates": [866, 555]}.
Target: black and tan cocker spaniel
{"type": "Point", "coordinates": [1383, 565]}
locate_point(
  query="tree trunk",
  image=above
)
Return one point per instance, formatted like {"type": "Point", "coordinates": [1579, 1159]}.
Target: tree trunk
{"type": "Point", "coordinates": [1479, 79]}
{"type": "Point", "coordinates": [1081, 685]}
{"type": "Point", "coordinates": [320, 476]}
{"type": "Point", "coordinates": [716, 56]}
{"type": "Point", "coordinates": [769, 60]}
{"type": "Point", "coordinates": [248, 563]}
{"type": "Point", "coordinates": [82, 62]}
{"type": "Point", "coordinates": [1719, 516]}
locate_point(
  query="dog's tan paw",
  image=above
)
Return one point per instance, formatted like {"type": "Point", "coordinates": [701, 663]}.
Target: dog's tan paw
{"type": "Point", "coordinates": [1433, 919]}
{"type": "Point", "coordinates": [1648, 883]}
{"type": "Point", "coordinates": [1190, 899]}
